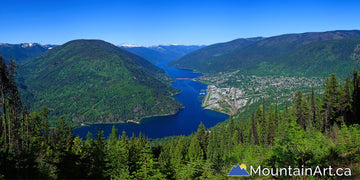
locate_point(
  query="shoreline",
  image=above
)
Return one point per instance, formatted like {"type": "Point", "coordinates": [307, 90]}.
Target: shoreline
{"type": "Point", "coordinates": [150, 116]}
{"type": "Point", "coordinates": [127, 121]}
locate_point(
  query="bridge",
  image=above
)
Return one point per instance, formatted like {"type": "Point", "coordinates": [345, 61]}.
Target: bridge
{"type": "Point", "coordinates": [183, 78]}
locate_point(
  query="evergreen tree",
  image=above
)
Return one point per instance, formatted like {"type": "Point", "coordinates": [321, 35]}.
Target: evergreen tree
{"type": "Point", "coordinates": [195, 152]}
{"type": "Point", "coordinates": [202, 136]}
{"type": "Point", "coordinates": [253, 132]}
{"type": "Point", "coordinates": [345, 101]}
{"type": "Point", "coordinates": [313, 109]}
{"type": "Point", "coordinates": [356, 97]}
{"type": "Point", "coordinates": [45, 120]}
{"type": "Point", "coordinates": [298, 105]}
{"type": "Point", "coordinates": [271, 126]}
{"type": "Point", "coordinates": [14, 109]}
{"type": "Point", "coordinates": [330, 102]}
{"type": "Point", "coordinates": [4, 84]}
{"type": "Point", "coordinates": [261, 126]}
{"type": "Point", "coordinates": [99, 156]}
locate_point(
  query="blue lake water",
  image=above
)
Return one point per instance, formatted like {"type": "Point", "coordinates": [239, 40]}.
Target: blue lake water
{"type": "Point", "coordinates": [183, 123]}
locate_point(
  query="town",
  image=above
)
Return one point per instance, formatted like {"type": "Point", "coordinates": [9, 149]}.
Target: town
{"type": "Point", "coordinates": [229, 92]}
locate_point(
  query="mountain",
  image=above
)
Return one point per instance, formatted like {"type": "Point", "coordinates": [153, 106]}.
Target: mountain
{"type": "Point", "coordinates": [315, 59]}
{"type": "Point", "coordinates": [275, 55]}
{"type": "Point", "coordinates": [207, 55]}
{"type": "Point", "coordinates": [23, 52]}
{"type": "Point", "coordinates": [159, 53]}
{"type": "Point", "coordinates": [92, 81]}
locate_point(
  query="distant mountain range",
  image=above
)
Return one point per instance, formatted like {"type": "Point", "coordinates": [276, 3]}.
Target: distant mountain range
{"type": "Point", "coordinates": [159, 53]}
{"type": "Point", "coordinates": [305, 54]}
{"type": "Point", "coordinates": [24, 52]}
{"type": "Point", "coordinates": [92, 81]}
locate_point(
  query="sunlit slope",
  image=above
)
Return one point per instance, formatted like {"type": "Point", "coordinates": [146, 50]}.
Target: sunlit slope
{"type": "Point", "coordinates": [94, 81]}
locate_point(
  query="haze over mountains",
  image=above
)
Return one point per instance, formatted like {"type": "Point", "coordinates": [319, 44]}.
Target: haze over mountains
{"type": "Point", "coordinates": [95, 81]}
{"type": "Point", "coordinates": [159, 53]}
{"type": "Point", "coordinates": [309, 54]}
{"type": "Point", "coordinates": [23, 52]}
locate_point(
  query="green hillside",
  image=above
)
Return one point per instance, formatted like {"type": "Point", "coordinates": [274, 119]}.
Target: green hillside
{"type": "Point", "coordinates": [317, 59]}
{"type": "Point", "coordinates": [207, 57]}
{"type": "Point", "coordinates": [279, 53]}
{"type": "Point", "coordinates": [94, 81]}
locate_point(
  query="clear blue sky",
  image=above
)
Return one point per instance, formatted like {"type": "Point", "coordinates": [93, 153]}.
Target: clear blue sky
{"type": "Point", "coordinates": [151, 22]}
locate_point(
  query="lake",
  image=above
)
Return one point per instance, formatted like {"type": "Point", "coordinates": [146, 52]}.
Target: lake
{"type": "Point", "coordinates": [184, 122]}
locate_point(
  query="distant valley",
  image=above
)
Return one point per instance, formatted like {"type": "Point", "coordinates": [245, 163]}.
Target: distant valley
{"type": "Point", "coordinates": [159, 53]}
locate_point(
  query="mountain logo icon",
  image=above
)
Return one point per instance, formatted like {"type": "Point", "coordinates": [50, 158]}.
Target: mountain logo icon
{"type": "Point", "coordinates": [239, 170]}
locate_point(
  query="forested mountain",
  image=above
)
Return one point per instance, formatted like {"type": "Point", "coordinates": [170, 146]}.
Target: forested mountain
{"type": "Point", "coordinates": [91, 81]}
{"type": "Point", "coordinates": [22, 53]}
{"type": "Point", "coordinates": [159, 53]}
{"type": "Point", "coordinates": [208, 55]}
{"type": "Point", "coordinates": [280, 55]}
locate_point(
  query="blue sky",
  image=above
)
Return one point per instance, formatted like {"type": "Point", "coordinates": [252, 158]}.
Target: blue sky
{"type": "Point", "coordinates": [151, 22]}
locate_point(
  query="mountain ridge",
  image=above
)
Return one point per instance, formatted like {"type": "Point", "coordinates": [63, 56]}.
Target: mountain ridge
{"type": "Point", "coordinates": [248, 58]}
{"type": "Point", "coordinates": [23, 52]}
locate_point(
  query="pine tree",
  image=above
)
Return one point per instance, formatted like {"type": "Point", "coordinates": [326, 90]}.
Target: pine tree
{"type": "Point", "coordinates": [253, 132]}
{"type": "Point", "coordinates": [356, 97]}
{"type": "Point", "coordinates": [298, 105]}
{"type": "Point", "coordinates": [261, 126]}
{"type": "Point", "coordinates": [345, 101]}
{"type": "Point", "coordinates": [114, 135]}
{"type": "Point", "coordinates": [313, 109]}
{"type": "Point", "coordinates": [99, 156]}
{"type": "Point", "coordinates": [195, 152]}
{"type": "Point", "coordinates": [15, 106]}
{"type": "Point", "coordinates": [44, 114]}
{"type": "Point", "coordinates": [270, 126]}
{"type": "Point", "coordinates": [61, 134]}
{"type": "Point", "coordinates": [330, 102]}
{"type": "Point", "coordinates": [180, 152]}
{"type": "Point", "coordinates": [276, 116]}
{"type": "Point", "coordinates": [4, 83]}
{"type": "Point", "coordinates": [202, 136]}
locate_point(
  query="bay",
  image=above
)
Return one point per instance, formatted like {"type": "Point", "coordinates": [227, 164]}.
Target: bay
{"type": "Point", "coordinates": [184, 122]}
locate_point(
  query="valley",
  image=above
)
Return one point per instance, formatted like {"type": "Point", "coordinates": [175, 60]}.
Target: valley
{"type": "Point", "coordinates": [180, 89]}
{"type": "Point", "coordinates": [158, 53]}
{"type": "Point", "coordinates": [182, 124]}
